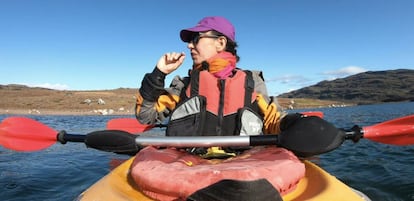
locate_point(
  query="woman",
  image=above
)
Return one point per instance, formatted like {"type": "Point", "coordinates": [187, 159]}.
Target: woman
{"type": "Point", "coordinates": [216, 98]}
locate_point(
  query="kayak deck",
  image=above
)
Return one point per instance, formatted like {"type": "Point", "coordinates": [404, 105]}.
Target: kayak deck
{"type": "Point", "coordinates": [316, 185]}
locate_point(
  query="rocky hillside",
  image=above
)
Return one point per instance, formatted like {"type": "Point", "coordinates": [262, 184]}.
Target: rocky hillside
{"type": "Point", "coordinates": [363, 88]}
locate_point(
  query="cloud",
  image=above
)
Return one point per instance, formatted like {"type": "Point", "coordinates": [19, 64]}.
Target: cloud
{"type": "Point", "coordinates": [343, 72]}
{"type": "Point", "coordinates": [287, 83]}
{"type": "Point", "coordinates": [290, 82]}
{"type": "Point", "coordinates": [50, 86]}
{"type": "Point", "coordinates": [286, 79]}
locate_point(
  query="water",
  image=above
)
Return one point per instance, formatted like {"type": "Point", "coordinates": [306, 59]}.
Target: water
{"type": "Point", "coordinates": [61, 172]}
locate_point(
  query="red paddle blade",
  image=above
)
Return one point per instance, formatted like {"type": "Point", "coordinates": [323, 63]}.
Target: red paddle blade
{"type": "Point", "coordinates": [398, 131]}
{"type": "Point", "coordinates": [130, 125]}
{"type": "Point", "coordinates": [313, 113]}
{"type": "Point", "coordinates": [25, 134]}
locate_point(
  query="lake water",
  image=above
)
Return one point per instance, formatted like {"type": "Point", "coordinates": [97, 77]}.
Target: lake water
{"type": "Point", "coordinates": [61, 172]}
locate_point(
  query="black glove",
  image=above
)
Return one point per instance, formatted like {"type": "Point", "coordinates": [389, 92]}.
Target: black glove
{"type": "Point", "coordinates": [310, 135]}
{"type": "Point", "coordinates": [289, 120]}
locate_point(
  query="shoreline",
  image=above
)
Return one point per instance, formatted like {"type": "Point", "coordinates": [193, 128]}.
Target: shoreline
{"type": "Point", "coordinates": [103, 112]}
{"type": "Point", "coordinates": [65, 112]}
{"type": "Point", "coordinates": [22, 100]}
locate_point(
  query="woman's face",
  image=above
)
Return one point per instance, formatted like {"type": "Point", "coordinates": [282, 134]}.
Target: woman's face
{"type": "Point", "coordinates": [205, 45]}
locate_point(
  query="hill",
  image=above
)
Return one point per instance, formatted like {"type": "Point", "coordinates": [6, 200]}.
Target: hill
{"type": "Point", "coordinates": [363, 88]}
{"type": "Point", "coordinates": [20, 99]}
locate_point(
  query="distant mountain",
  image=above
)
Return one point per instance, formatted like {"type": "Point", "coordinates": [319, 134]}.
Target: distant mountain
{"type": "Point", "coordinates": [363, 88]}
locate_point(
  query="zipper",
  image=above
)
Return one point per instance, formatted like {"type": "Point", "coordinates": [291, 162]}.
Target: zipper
{"type": "Point", "coordinates": [222, 85]}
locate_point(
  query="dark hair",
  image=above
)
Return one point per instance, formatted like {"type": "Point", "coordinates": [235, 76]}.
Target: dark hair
{"type": "Point", "coordinates": [231, 46]}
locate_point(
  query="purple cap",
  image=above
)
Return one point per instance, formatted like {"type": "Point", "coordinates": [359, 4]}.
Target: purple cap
{"type": "Point", "coordinates": [216, 23]}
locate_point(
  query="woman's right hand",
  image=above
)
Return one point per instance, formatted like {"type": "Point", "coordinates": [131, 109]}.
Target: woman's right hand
{"type": "Point", "coordinates": [169, 62]}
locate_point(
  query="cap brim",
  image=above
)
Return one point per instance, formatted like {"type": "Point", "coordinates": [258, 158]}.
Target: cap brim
{"type": "Point", "coordinates": [187, 34]}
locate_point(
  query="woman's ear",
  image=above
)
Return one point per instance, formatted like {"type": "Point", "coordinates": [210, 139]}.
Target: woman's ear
{"type": "Point", "coordinates": [221, 43]}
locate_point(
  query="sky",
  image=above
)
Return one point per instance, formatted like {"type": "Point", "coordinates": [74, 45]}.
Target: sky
{"type": "Point", "coordinates": [109, 44]}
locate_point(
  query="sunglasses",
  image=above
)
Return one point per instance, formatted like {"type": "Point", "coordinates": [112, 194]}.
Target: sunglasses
{"type": "Point", "coordinates": [199, 36]}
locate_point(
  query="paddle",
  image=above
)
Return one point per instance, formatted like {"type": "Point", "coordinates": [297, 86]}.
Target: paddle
{"type": "Point", "coordinates": [309, 136]}
{"type": "Point", "coordinates": [132, 125]}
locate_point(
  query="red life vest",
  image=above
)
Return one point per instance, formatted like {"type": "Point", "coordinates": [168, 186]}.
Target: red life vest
{"type": "Point", "coordinates": [213, 106]}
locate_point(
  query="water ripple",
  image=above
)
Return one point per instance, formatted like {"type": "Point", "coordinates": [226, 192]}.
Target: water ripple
{"type": "Point", "coordinates": [61, 172]}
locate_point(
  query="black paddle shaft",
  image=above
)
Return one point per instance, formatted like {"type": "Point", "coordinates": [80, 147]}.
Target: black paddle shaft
{"type": "Point", "coordinates": [63, 137]}
{"type": "Point", "coordinates": [259, 140]}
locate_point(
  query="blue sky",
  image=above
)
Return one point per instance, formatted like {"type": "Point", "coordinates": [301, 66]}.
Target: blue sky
{"type": "Point", "coordinates": [107, 44]}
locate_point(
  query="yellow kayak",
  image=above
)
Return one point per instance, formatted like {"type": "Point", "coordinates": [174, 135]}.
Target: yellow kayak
{"type": "Point", "coordinates": [317, 184]}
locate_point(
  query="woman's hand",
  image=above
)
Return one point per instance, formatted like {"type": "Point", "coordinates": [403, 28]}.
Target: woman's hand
{"type": "Point", "coordinates": [169, 62]}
